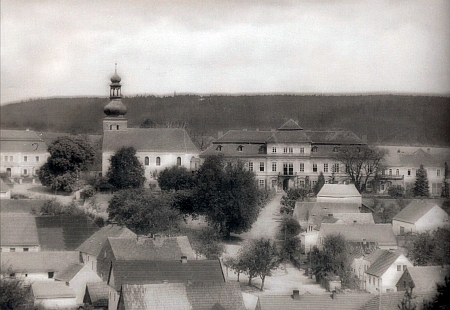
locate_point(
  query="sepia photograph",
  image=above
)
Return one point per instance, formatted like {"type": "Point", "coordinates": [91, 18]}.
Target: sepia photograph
{"type": "Point", "coordinates": [225, 155]}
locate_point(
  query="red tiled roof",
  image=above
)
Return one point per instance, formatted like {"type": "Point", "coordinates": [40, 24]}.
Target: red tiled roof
{"type": "Point", "coordinates": [97, 241]}
{"type": "Point", "coordinates": [167, 248]}
{"type": "Point", "coordinates": [21, 141]}
{"type": "Point", "coordinates": [18, 230]}
{"type": "Point", "coordinates": [313, 302]}
{"type": "Point", "coordinates": [149, 139]}
{"type": "Point", "coordinates": [148, 272]}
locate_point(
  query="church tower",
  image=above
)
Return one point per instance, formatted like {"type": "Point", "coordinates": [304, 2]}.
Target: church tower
{"type": "Point", "coordinates": [115, 109]}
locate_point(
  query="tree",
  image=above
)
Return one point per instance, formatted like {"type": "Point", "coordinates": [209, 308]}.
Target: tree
{"type": "Point", "coordinates": [433, 248]}
{"type": "Point", "coordinates": [209, 243]}
{"type": "Point", "coordinates": [408, 302]}
{"type": "Point", "coordinates": [148, 123]}
{"type": "Point", "coordinates": [69, 156]}
{"type": "Point", "coordinates": [228, 197]}
{"type": "Point", "coordinates": [13, 295]}
{"type": "Point", "coordinates": [176, 178]}
{"type": "Point", "coordinates": [292, 196]}
{"type": "Point", "coordinates": [259, 257]}
{"type": "Point", "coordinates": [442, 299]}
{"type": "Point", "coordinates": [361, 163]}
{"type": "Point", "coordinates": [291, 247]}
{"type": "Point", "coordinates": [396, 191]}
{"type": "Point", "coordinates": [320, 183]}
{"type": "Point", "coordinates": [143, 211]}
{"type": "Point", "coordinates": [125, 170]}
{"type": "Point", "coordinates": [421, 187]}
{"type": "Point", "coordinates": [289, 227]}
{"type": "Point", "coordinates": [445, 189]}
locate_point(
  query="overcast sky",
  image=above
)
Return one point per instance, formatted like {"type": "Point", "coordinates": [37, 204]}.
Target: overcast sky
{"type": "Point", "coordinates": [68, 48]}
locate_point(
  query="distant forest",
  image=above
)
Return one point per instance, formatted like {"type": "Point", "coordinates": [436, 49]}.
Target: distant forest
{"type": "Point", "coordinates": [389, 119]}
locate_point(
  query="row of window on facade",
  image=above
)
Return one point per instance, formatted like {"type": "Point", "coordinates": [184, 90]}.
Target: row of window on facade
{"type": "Point", "coordinates": [288, 168]}
{"type": "Point", "coordinates": [25, 159]}
{"type": "Point", "coordinates": [286, 149]}
{"type": "Point", "coordinates": [409, 172]}
{"type": "Point", "coordinates": [158, 161]}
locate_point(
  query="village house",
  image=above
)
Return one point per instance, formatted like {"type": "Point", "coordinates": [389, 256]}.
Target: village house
{"type": "Point", "coordinates": [142, 248]}
{"type": "Point", "coordinates": [163, 271]}
{"type": "Point", "coordinates": [347, 301]}
{"type": "Point", "coordinates": [76, 276]}
{"type": "Point", "coordinates": [384, 273]}
{"type": "Point", "coordinates": [402, 163]}
{"type": "Point", "coordinates": [361, 261]}
{"type": "Point", "coordinates": [96, 295]}
{"type": "Point", "coordinates": [419, 217]}
{"type": "Point", "coordinates": [423, 278]}
{"type": "Point", "coordinates": [37, 266]}
{"type": "Point", "coordinates": [364, 236]}
{"type": "Point", "coordinates": [156, 148]}
{"type": "Point", "coordinates": [53, 295]}
{"type": "Point", "coordinates": [22, 153]}
{"type": "Point", "coordinates": [288, 157]}
{"type": "Point", "coordinates": [18, 233]}
{"type": "Point", "coordinates": [339, 193]}
{"type": "Point", "coordinates": [190, 295]}
{"type": "Point", "coordinates": [91, 248]}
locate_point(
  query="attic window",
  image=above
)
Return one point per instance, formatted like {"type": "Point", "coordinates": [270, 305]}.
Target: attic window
{"type": "Point", "coordinates": [314, 149]}
{"type": "Point", "coordinates": [51, 274]}
{"type": "Point", "coordinates": [219, 148]}
{"type": "Point", "coordinates": [262, 150]}
{"type": "Point", "coordinates": [240, 148]}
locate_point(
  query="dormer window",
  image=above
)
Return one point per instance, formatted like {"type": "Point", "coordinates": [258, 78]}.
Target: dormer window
{"type": "Point", "coordinates": [219, 148]}
{"type": "Point", "coordinates": [240, 148]}
{"type": "Point", "coordinates": [315, 149]}
{"type": "Point", "coordinates": [262, 150]}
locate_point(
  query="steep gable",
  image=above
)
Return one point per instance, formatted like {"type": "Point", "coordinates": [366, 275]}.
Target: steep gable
{"type": "Point", "coordinates": [414, 211]}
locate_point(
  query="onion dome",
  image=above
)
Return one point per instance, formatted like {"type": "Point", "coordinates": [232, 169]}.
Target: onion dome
{"type": "Point", "coordinates": [115, 108]}
{"type": "Point", "coordinates": [115, 78]}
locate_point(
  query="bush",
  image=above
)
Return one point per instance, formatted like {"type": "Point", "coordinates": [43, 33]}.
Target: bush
{"type": "Point", "coordinates": [51, 207]}
{"type": "Point", "coordinates": [88, 191]}
{"type": "Point", "coordinates": [99, 221]}
{"type": "Point", "coordinates": [396, 191]}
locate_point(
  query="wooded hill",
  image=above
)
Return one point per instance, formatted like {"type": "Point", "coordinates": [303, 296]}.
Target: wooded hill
{"type": "Point", "coordinates": [386, 119]}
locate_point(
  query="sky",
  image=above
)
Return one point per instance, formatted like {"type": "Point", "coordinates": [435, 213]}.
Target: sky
{"type": "Point", "coordinates": [69, 48]}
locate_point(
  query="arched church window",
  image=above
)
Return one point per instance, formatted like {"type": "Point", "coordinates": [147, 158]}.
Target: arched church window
{"type": "Point", "coordinates": [158, 161]}
{"type": "Point", "coordinates": [147, 161]}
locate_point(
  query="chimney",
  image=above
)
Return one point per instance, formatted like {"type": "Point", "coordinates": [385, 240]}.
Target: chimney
{"type": "Point", "coordinates": [184, 259]}
{"type": "Point", "coordinates": [219, 134]}
{"type": "Point", "coordinates": [296, 294]}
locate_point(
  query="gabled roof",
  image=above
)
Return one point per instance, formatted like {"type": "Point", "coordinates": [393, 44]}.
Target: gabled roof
{"type": "Point", "coordinates": [379, 233]}
{"type": "Point", "coordinates": [426, 277]}
{"type": "Point", "coordinates": [18, 230]}
{"type": "Point", "coordinates": [98, 293]}
{"type": "Point", "coordinates": [290, 125]}
{"type": "Point", "coordinates": [97, 241]}
{"type": "Point", "coordinates": [165, 248]}
{"type": "Point", "coordinates": [296, 136]}
{"type": "Point", "coordinates": [150, 140]}
{"type": "Point", "coordinates": [338, 190]}
{"type": "Point", "coordinates": [414, 211]}
{"type": "Point", "coordinates": [59, 233]}
{"type": "Point", "coordinates": [31, 262]}
{"type": "Point", "coordinates": [25, 141]}
{"type": "Point", "coordinates": [304, 209]}
{"type": "Point", "coordinates": [314, 302]}
{"type": "Point", "coordinates": [69, 272]}
{"type": "Point", "coordinates": [372, 257]}
{"type": "Point", "coordinates": [413, 157]}
{"type": "Point", "coordinates": [333, 137]}
{"type": "Point", "coordinates": [149, 272]}
{"type": "Point", "coordinates": [382, 263]}
{"type": "Point", "coordinates": [196, 295]}
{"type": "Point", "coordinates": [391, 301]}
{"type": "Point", "coordinates": [51, 289]}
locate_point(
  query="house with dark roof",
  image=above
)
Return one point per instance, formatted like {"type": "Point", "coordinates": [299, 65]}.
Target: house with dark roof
{"type": "Point", "coordinates": [392, 300]}
{"type": "Point", "coordinates": [18, 233]}
{"type": "Point", "coordinates": [53, 295]}
{"type": "Point", "coordinates": [76, 276]}
{"type": "Point", "coordinates": [366, 235]}
{"type": "Point", "coordinates": [347, 301]}
{"type": "Point", "coordinates": [156, 148]}
{"type": "Point", "coordinates": [288, 157]}
{"type": "Point", "coordinates": [142, 248]}
{"type": "Point", "coordinates": [419, 217]}
{"type": "Point", "coordinates": [402, 163]}
{"type": "Point", "coordinates": [22, 153]}
{"type": "Point", "coordinates": [153, 272]}
{"type": "Point", "coordinates": [384, 273]}
{"type": "Point", "coordinates": [339, 193]}
{"type": "Point", "coordinates": [189, 295]}
{"type": "Point", "coordinates": [96, 295]}
{"type": "Point", "coordinates": [423, 278]}
{"type": "Point", "coordinates": [35, 266]}
{"type": "Point", "coordinates": [91, 248]}
{"type": "Point", "coordinates": [361, 261]}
